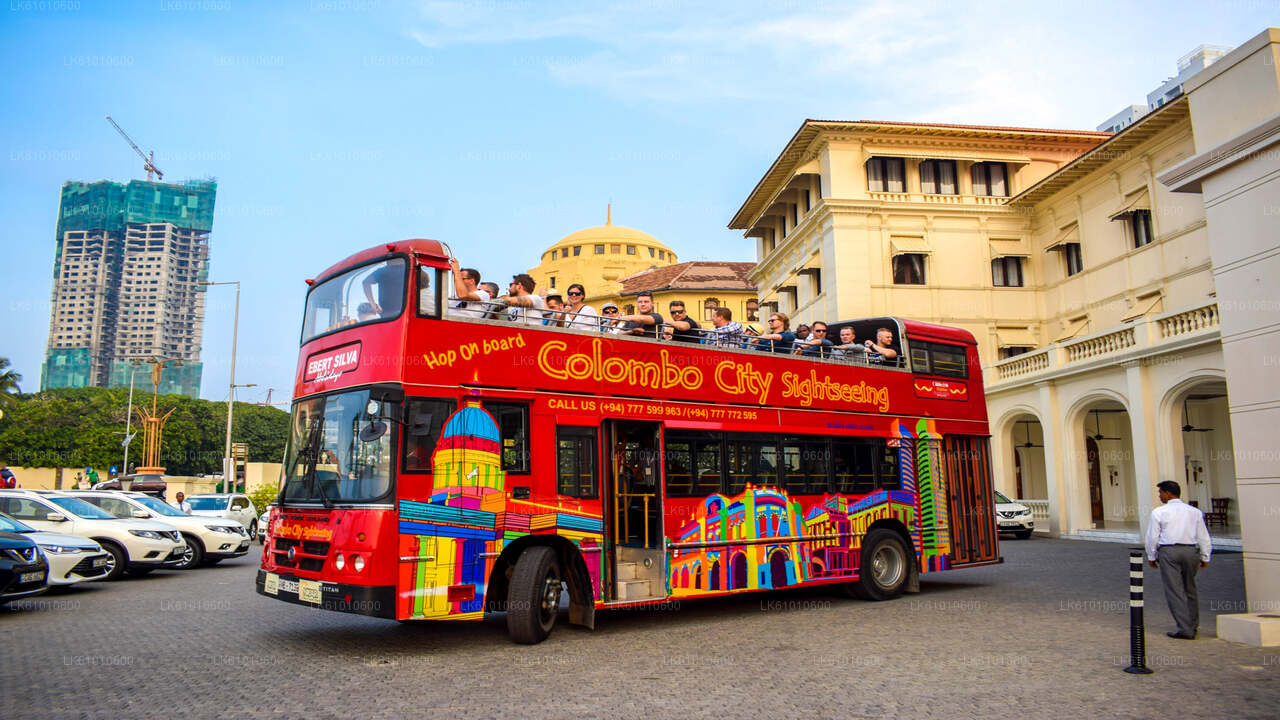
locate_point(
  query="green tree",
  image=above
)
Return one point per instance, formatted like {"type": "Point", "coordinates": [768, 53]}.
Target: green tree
{"type": "Point", "coordinates": [9, 379]}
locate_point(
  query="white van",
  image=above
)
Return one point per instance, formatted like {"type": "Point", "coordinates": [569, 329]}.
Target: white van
{"type": "Point", "coordinates": [1013, 517]}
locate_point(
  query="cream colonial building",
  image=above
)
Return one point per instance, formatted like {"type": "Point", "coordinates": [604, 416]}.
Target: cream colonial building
{"type": "Point", "coordinates": [1124, 297]}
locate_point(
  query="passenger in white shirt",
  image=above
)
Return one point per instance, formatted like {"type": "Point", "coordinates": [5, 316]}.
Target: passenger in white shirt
{"type": "Point", "coordinates": [1178, 545]}
{"type": "Point", "coordinates": [526, 308]}
{"type": "Point", "coordinates": [583, 317]}
{"type": "Point", "coordinates": [470, 299]}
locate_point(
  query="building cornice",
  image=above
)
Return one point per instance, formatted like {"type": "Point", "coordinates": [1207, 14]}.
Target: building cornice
{"type": "Point", "coordinates": [1187, 175]}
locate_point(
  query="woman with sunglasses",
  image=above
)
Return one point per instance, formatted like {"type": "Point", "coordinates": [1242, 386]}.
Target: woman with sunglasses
{"type": "Point", "coordinates": [779, 339]}
{"type": "Point", "coordinates": [580, 316]}
{"type": "Point", "coordinates": [609, 322]}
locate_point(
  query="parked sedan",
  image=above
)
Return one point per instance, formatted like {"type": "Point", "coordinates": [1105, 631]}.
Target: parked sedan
{"type": "Point", "coordinates": [264, 524]}
{"type": "Point", "coordinates": [22, 568]}
{"type": "Point", "coordinates": [232, 506]}
{"type": "Point", "coordinates": [209, 540]}
{"type": "Point", "coordinates": [71, 559]}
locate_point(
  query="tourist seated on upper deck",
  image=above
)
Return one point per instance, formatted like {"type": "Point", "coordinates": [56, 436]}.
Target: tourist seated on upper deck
{"type": "Point", "coordinates": [470, 300]}
{"type": "Point", "coordinates": [727, 332]}
{"type": "Point", "coordinates": [388, 280]}
{"type": "Point", "coordinates": [526, 308]}
{"type": "Point", "coordinates": [365, 312]}
{"type": "Point", "coordinates": [779, 338]}
{"type": "Point", "coordinates": [849, 349]}
{"type": "Point", "coordinates": [580, 316]}
{"type": "Point", "coordinates": [818, 345]}
{"type": "Point", "coordinates": [609, 322]}
{"type": "Point", "coordinates": [553, 319]}
{"type": "Point", "coordinates": [882, 350]}
{"type": "Point", "coordinates": [645, 322]}
{"type": "Point", "coordinates": [683, 328]}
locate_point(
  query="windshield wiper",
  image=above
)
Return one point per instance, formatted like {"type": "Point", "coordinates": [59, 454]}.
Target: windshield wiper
{"type": "Point", "coordinates": [310, 454]}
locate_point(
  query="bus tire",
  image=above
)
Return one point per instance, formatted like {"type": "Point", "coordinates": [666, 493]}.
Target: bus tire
{"type": "Point", "coordinates": [885, 566]}
{"type": "Point", "coordinates": [533, 599]}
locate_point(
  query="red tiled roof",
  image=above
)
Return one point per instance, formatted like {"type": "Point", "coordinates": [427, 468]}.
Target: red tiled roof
{"type": "Point", "coordinates": [693, 275]}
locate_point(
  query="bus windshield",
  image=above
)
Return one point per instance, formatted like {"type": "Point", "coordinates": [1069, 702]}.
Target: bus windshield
{"type": "Point", "coordinates": [337, 451]}
{"type": "Point", "coordinates": [361, 295]}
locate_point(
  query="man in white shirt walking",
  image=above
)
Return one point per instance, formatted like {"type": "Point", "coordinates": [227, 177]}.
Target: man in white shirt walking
{"type": "Point", "coordinates": [1178, 544]}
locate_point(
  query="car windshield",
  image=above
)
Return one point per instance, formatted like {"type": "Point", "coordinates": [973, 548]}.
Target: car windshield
{"type": "Point", "coordinates": [360, 295]}
{"type": "Point", "coordinates": [1001, 499]}
{"type": "Point", "coordinates": [337, 452]}
{"type": "Point", "coordinates": [80, 508]}
{"type": "Point", "coordinates": [8, 524]}
{"type": "Point", "coordinates": [209, 502]}
{"type": "Point", "coordinates": [163, 508]}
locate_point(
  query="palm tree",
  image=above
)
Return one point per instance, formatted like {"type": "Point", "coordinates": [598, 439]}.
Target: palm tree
{"type": "Point", "coordinates": [9, 380]}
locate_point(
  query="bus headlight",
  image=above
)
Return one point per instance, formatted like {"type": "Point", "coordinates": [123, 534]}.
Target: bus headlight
{"type": "Point", "coordinates": [357, 562]}
{"type": "Point", "coordinates": [339, 562]}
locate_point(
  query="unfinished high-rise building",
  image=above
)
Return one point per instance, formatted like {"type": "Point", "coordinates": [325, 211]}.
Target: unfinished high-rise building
{"type": "Point", "coordinates": [127, 276]}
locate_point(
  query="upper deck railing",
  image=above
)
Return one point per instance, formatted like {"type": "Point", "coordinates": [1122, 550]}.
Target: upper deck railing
{"type": "Point", "coordinates": [666, 334]}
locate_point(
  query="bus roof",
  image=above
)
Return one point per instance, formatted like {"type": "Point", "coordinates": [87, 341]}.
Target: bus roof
{"type": "Point", "coordinates": [917, 329]}
{"type": "Point", "coordinates": [421, 246]}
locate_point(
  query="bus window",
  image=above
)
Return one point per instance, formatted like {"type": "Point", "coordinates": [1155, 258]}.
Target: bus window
{"type": "Point", "coordinates": [576, 462]}
{"type": "Point", "coordinates": [887, 474]}
{"type": "Point", "coordinates": [752, 461]}
{"type": "Point", "coordinates": [693, 463]}
{"type": "Point", "coordinates": [424, 420]}
{"type": "Point", "coordinates": [364, 294]}
{"type": "Point", "coordinates": [854, 462]}
{"type": "Point", "coordinates": [804, 466]}
{"type": "Point", "coordinates": [429, 286]}
{"type": "Point", "coordinates": [513, 427]}
{"type": "Point", "coordinates": [930, 358]}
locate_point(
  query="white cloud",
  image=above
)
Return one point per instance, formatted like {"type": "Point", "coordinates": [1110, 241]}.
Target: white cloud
{"type": "Point", "coordinates": [974, 63]}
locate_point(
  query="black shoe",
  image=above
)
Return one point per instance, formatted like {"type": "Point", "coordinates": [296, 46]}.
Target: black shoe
{"type": "Point", "coordinates": [1181, 635]}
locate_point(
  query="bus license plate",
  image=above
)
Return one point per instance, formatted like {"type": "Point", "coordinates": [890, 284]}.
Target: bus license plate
{"type": "Point", "coordinates": [271, 585]}
{"type": "Point", "coordinates": [30, 577]}
{"type": "Point", "coordinates": [309, 591]}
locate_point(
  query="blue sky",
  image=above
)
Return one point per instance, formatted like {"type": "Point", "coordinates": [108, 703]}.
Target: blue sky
{"type": "Point", "coordinates": [500, 127]}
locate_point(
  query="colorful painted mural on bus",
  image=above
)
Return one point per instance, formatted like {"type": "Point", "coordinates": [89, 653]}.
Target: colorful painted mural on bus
{"type": "Point", "coordinates": [821, 542]}
{"type": "Point", "coordinates": [456, 533]}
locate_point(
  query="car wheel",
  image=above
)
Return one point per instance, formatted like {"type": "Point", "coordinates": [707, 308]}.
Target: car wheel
{"type": "Point", "coordinates": [193, 556]}
{"type": "Point", "coordinates": [885, 566]}
{"type": "Point", "coordinates": [253, 530]}
{"type": "Point", "coordinates": [533, 600]}
{"type": "Point", "coordinates": [116, 560]}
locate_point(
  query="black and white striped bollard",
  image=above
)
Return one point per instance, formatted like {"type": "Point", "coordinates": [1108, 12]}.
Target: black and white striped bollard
{"type": "Point", "coordinates": [1137, 632]}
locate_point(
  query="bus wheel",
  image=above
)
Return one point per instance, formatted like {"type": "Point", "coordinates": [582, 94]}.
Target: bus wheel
{"type": "Point", "coordinates": [884, 566]}
{"type": "Point", "coordinates": [533, 600]}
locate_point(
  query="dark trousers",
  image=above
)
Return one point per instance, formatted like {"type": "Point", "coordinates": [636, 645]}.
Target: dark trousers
{"type": "Point", "coordinates": [1178, 566]}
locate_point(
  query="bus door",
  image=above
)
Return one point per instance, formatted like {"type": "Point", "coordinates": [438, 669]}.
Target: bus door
{"type": "Point", "coordinates": [972, 500]}
{"type": "Point", "coordinates": [633, 499]}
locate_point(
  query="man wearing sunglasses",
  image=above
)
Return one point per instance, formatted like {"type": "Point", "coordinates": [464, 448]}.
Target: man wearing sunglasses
{"type": "Point", "coordinates": [470, 300]}
{"type": "Point", "coordinates": [609, 319]}
{"type": "Point", "coordinates": [580, 316]}
{"type": "Point", "coordinates": [817, 346]}
{"type": "Point", "coordinates": [779, 337]}
{"type": "Point", "coordinates": [685, 328]}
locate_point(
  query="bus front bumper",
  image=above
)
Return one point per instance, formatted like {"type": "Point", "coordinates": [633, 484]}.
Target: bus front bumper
{"type": "Point", "coordinates": [374, 601]}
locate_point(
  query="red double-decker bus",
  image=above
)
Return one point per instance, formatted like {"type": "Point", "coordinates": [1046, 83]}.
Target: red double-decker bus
{"type": "Point", "coordinates": [444, 465]}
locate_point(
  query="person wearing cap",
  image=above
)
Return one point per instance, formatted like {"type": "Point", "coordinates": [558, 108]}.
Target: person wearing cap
{"type": "Point", "coordinates": [526, 308]}
{"type": "Point", "coordinates": [579, 315]}
{"type": "Point", "coordinates": [645, 322]}
{"type": "Point", "coordinates": [469, 299]}
{"type": "Point", "coordinates": [609, 319]}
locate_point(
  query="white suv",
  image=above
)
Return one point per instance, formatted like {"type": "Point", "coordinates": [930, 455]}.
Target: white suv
{"type": "Point", "coordinates": [138, 546]}
{"type": "Point", "coordinates": [1013, 517]}
{"type": "Point", "coordinates": [71, 559]}
{"type": "Point", "coordinates": [208, 540]}
{"type": "Point", "coordinates": [234, 506]}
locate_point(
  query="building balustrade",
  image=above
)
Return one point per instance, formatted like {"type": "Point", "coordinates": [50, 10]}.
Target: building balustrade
{"type": "Point", "coordinates": [1039, 512]}
{"type": "Point", "coordinates": [933, 199]}
{"type": "Point", "coordinates": [1144, 335]}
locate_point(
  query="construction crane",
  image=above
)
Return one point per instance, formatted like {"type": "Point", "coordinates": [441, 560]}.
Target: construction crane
{"type": "Point", "coordinates": [148, 160]}
{"type": "Point", "coordinates": [267, 402]}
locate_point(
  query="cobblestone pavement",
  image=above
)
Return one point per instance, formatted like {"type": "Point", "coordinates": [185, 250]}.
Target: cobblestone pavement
{"type": "Point", "coordinates": [1043, 635]}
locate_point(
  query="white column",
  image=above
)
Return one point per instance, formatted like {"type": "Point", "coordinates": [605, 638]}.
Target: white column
{"type": "Point", "coordinates": [1054, 479]}
{"type": "Point", "coordinates": [1142, 424]}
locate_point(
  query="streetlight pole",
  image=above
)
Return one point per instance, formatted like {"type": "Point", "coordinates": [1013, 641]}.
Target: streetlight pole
{"type": "Point", "coordinates": [227, 470]}
{"type": "Point", "coordinates": [128, 421]}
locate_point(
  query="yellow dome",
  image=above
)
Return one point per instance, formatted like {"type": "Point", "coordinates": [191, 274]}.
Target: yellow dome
{"type": "Point", "coordinates": [598, 257]}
